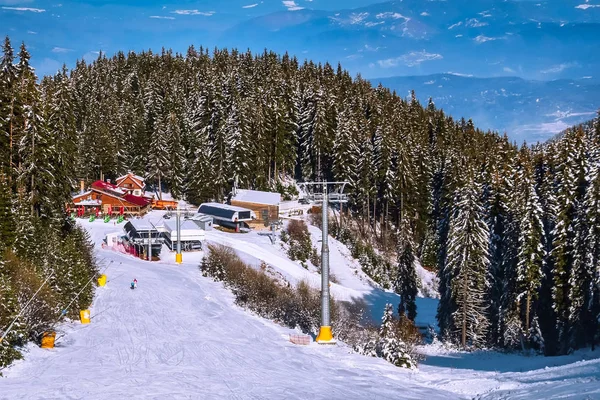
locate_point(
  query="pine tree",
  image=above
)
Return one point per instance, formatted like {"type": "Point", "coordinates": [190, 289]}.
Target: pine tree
{"type": "Point", "coordinates": [591, 246]}
{"type": "Point", "coordinates": [177, 162]}
{"type": "Point", "coordinates": [531, 251]}
{"type": "Point", "coordinates": [35, 169]}
{"type": "Point", "coordinates": [563, 251]}
{"type": "Point", "coordinates": [307, 151]}
{"type": "Point", "coordinates": [406, 280]}
{"type": "Point", "coordinates": [62, 135]}
{"type": "Point", "coordinates": [156, 123]}
{"type": "Point", "coordinates": [468, 260]}
{"type": "Point", "coordinates": [25, 226]}
{"type": "Point", "coordinates": [390, 347]}
{"type": "Point", "coordinates": [9, 310]}
{"type": "Point", "coordinates": [504, 231]}
{"type": "Point", "coordinates": [237, 146]}
{"type": "Point", "coordinates": [7, 224]}
{"type": "Point", "coordinates": [9, 109]}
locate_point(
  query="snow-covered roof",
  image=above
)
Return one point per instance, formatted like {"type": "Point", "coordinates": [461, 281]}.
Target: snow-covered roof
{"type": "Point", "coordinates": [257, 196]}
{"type": "Point", "coordinates": [226, 212]}
{"type": "Point", "coordinates": [137, 178]}
{"type": "Point", "coordinates": [224, 207]}
{"type": "Point", "coordinates": [82, 194]}
{"type": "Point", "coordinates": [101, 185]}
{"type": "Point", "coordinates": [200, 217]}
{"type": "Point", "coordinates": [189, 227]}
{"type": "Point", "coordinates": [89, 203]}
{"type": "Point", "coordinates": [143, 225]}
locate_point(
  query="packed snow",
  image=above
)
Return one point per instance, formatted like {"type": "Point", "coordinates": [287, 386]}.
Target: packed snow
{"type": "Point", "coordinates": [180, 335]}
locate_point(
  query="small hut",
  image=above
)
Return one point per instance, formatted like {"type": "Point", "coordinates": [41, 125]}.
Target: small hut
{"type": "Point", "coordinates": [264, 204]}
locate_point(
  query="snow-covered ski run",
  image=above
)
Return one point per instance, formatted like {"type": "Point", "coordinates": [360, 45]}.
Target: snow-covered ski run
{"type": "Point", "coordinates": [179, 335]}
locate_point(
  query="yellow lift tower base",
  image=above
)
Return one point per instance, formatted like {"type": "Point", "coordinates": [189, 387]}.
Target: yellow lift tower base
{"type": "Point", "coordinates": [325, 336]}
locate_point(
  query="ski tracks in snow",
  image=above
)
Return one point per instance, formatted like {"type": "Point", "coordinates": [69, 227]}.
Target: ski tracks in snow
{"type": "Point", "coordinates": [180, 336]}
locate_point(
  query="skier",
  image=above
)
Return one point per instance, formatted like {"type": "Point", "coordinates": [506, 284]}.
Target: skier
{"type": "Point", "coordinates": [133, 283]}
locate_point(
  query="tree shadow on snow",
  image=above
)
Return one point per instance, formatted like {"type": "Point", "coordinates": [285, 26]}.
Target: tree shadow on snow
{"type": "Point", "coordinates": [489, 360]}
{"type": "Point", "coordinates": [481, 360]}
{"type": "Point", "coordinates": [377, 299]}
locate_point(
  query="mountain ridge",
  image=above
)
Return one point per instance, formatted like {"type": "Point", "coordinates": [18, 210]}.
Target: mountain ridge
{"type": "Point", "coordinates": [517, 106]}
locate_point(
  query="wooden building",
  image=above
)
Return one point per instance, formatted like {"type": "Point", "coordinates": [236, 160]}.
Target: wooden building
{"type": "Point", "coordinates": [264, 204]}
{"type": "Point", "coordinates": [132, 184]}
{"type": "Point", "coordinates": [109, 199]}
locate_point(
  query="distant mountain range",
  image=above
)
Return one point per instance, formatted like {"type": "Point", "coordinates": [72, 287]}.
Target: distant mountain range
{"type": "Point", "coordinates": [530, 39]}
{"type": "Point", "coordinates": [526, 110]}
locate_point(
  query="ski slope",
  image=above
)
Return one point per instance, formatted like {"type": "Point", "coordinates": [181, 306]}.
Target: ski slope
{"type": "Point", "coordinates": [180, 336]}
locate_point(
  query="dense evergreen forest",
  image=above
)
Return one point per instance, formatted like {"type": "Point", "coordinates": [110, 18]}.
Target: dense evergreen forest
{"type": "Point", "coordinates": [512, 231]}
{"type": "Point", "coordinates": [39, 247]}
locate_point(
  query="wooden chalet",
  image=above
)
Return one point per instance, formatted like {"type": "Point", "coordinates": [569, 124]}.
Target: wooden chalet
{"type": "Point", "coordinates": [136, 185]}
{"type": "Point", "coordinates": [264, 204]}
{"type": "Point", "coordinates": [132, 184]}
{"type": "Point", "coordinates": [109, 199]}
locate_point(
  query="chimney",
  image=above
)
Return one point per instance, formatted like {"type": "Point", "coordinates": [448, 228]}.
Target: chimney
{"type": "Point", "coordinates": [82, 185]}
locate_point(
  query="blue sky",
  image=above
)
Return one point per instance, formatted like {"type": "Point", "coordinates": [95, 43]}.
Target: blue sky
{"type": "Point", "coordinates": [61, 31]}
{"type": "Point", "coordinates": [542, 39]}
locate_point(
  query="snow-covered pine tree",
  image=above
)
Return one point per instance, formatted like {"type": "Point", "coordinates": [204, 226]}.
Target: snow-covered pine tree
{"type": "Point", "coordinates": [390, 347]}
{"type": "Point", "coordinates": [545, 179]}
{"type": "Point", "coordinates": [237, 146]}
{"type": "Point", "coordinates": [156, 125]}
{"type": "Point", "coordinates": [9, 109]}
{"type": "Point", "coordinates": [176, 154]}
{"type": "Point", "coordinates": [500, 202]}
{"type": "Point", "coordinates": [430, 245]}
{"type": "Point", "coordinates": [63, 137]}
{"type": "Point", "coordinates": [569, 179]}
{"type": "Point", "coordinates": [34, 148]}
{"type": "Point", "coordinates": [406, 280]}
{"type": "Point", "coordinates": [7, 223]}
{"type": "Point", "coordinates": [201, 170]}
{"type": "Point", "coordinates": [442, 198]}
{"type": "Point", "coordinates": [587, 262]}
{"type": "Point", "coordinates": [581, 275]}
{"type": "Point", "coordinates": [345, 146]}
{"type": "Point", "coordinates": [531, 250]}
{"type": "Point", "coordinates": [219, 104]}
{"type": "Point", "coordinates": [592, 209]}
{"type": "Point", "coordinates": [364, 186]}
{"type": "Point", "coordinates": [468, 261]}
{"type": "Point", "coordinates": [306, 110]}
{"type": "Point", "coordinates": [9, 309]}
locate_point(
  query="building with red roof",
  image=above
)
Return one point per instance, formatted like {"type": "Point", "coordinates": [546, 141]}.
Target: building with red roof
{"type": "Point", "coordinates": [110, 199]}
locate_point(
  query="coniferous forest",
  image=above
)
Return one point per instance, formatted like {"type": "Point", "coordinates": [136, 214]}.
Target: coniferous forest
{"type": "Point", "coordinates": [513, 231]}
{"type": "Point", "coordinates": [39, 247]}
